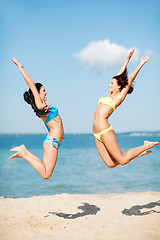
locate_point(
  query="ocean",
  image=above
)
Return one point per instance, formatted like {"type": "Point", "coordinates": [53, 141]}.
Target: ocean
{"type": "Point", "coordinates": [79, 169]}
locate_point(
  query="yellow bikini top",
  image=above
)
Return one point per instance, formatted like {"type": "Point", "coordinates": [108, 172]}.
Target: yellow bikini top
{"type": "Point", "coordinates": [107, 101]}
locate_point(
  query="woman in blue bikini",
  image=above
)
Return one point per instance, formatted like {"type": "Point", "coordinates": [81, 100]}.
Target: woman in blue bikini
{"type": "Point", "coordinates": [36, 97]}
{"type": "Point", "coordinates": [104, 134]}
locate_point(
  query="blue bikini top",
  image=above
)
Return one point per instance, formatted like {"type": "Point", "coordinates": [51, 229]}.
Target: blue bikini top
{"type": "Point", "coordinates": [53, 112]}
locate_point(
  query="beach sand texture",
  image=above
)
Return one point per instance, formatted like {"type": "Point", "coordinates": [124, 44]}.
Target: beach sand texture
{"type": "Point", "coordinates": [130, 216]}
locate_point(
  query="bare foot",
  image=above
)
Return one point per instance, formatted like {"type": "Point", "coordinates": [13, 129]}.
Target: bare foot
{"type": "Point", "coordinates": [144, 153]}
{"type": "Point", "coordinates": [21, 150]}
{"type": "Point", "coordinates": [149, 144]}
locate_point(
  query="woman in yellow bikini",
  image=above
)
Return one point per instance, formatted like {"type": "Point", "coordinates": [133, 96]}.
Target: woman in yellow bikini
{"type": "Point", "coordinates": [104, 134]}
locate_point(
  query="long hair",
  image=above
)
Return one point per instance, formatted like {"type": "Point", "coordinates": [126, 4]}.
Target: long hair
{"type": "Point", "coordinates": [29, 98]}
{"type": "Point", "coordinates": [122, 80]}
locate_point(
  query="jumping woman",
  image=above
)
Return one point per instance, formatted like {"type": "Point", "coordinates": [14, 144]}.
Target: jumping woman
{"type": "Point", "coordinates": [104, 134]}
{"type": "Point", "coordinates": [36, 97]}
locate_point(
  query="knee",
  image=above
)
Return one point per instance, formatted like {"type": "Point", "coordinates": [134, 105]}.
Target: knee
{"type": "Point", "coordinates": [115, 164]}
{"type": "Point", "coordinates": [122, 160]}
{"type": "Point", "coordinates": [123, 163]}
{"type": "Point", "coordinates": [111, 165]}
{"type": "Point", "coordinates": [46, 176]}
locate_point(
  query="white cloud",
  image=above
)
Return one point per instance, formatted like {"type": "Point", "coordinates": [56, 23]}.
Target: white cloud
{"type": "Point", "coordinates": [102, 54]}
{"type": "Point", "coordinates": [149, 53]}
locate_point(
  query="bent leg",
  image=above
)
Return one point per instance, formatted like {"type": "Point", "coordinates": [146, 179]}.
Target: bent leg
{"type": "Point", "coordinates": [45, 167]}
{"type": "Point", "coordinates": [49, 159]}
{"type": "Point", "coordinates": [105, 155]}
{"type": "Point", "coordinates": [110, 142]}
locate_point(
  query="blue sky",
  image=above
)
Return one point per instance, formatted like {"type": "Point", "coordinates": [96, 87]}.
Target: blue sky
{"type": "Point", "coordinates": [46, 37]}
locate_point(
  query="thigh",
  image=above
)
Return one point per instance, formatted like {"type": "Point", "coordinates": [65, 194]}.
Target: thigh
{"type": "Point", "coordinates": [105, 155]}
{"type": "Point", "coordinates": [50, 156]}
{"type": "Point", "coordinates": [110, 142]}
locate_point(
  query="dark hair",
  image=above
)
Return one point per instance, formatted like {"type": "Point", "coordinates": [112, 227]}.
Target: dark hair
{"type": "Point", "coordinates": [122, 80]}
{"type": "Point", "coordinates": [29, 98]}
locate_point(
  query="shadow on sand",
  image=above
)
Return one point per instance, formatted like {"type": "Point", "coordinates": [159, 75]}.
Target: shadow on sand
{"type": "Point", "coordinates": [86, 208]}
{"type": "Point", "coordinates": [136, 210]}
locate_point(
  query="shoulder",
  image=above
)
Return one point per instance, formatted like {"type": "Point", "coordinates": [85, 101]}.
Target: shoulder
{"type": "Point", "coordinates": [117, 100]}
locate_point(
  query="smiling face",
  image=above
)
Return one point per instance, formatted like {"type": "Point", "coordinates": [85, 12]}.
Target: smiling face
{"type": "Point", "coordinates": [113, 85]}
{"type": "Point", "coordinates": [43, 94]}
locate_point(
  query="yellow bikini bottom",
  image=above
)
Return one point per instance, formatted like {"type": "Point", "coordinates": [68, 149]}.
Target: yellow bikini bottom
{"type": "Point", "coordinates": [98, 135]}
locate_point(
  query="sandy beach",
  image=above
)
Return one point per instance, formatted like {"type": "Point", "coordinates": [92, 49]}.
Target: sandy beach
{"type": "Point", "coordinates": [65, 216]}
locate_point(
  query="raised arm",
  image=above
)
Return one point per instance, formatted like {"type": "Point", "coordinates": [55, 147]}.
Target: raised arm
{"type": "Point", "coordinates": [136, 71]}
{"type": "Point", "coordinates": [131, 78]}
{"type": "Point", "coordinates": [126, 62]}
{"type": "Point", "coordinates": [30, 84]}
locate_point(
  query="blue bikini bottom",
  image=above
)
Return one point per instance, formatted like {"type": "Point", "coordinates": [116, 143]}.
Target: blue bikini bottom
{"type": "Point", "coordinates": [53, 141]}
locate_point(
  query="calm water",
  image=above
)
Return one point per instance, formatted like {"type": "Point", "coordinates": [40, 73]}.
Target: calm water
{"type": "Point", "coordinates": [79, 168]}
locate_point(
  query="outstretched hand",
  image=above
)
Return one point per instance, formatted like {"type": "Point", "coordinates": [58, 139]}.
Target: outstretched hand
{"type": "Point", "coordinates": [130, 54]}
{"type": "Point", "coordinates": [144, 59]}
{"type": "Point", "coordinates": [14, 60]}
